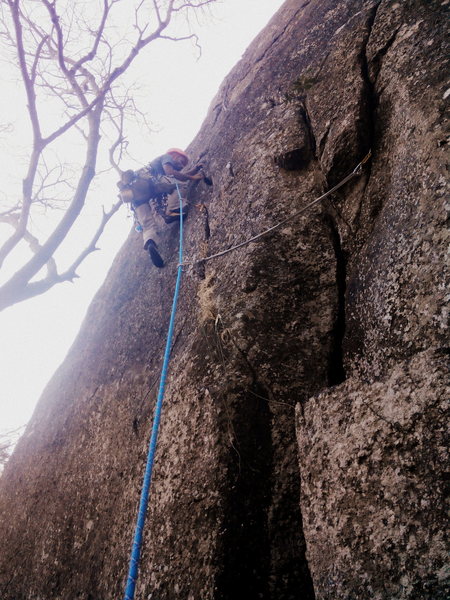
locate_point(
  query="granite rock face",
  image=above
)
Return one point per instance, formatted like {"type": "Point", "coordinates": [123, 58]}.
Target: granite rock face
{"type": "Point", "coordinates": [369, 454]}
{"type": "Point", "coordinates": [301, 448]}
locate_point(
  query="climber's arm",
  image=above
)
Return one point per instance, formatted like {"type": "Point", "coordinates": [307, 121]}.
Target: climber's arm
{"type": "Point", "coordinates": [192, 175]}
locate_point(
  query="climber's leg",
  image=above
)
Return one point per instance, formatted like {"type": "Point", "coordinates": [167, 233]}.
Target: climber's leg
{"type": "Point", "coordinates": [146, 217]}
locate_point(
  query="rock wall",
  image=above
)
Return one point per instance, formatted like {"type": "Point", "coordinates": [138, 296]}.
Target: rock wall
{"type": "Point", "coordinates": [301, 449]}
{"type": "Point", "coordinates": [369, 455]}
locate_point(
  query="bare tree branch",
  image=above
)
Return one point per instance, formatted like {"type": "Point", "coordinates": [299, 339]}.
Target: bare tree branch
{"type": "Point", "coordinates": [92, 53]}
{"type": "Point", "coordinates": [92, 246]}
{"type": "Point", "coordinates": [36, 288]}
{"type": "Point", "coordinates": [72, 59]}
{"type": "Point", "coordinates": [33, 242]}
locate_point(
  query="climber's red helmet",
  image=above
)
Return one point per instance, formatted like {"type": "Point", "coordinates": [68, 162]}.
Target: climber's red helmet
{"type": "Point", "coordinates": [181, 157]}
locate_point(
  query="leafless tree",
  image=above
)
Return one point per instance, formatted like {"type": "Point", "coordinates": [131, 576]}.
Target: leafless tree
{"type": "Point", "coordinates": [73, 56]}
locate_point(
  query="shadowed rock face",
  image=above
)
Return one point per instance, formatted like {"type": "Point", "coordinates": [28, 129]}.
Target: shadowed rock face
{"type": "Point", "coordinates": [304, 407]}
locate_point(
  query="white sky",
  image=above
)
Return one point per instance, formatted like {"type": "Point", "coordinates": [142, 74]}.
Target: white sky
{"type": "Point", "coordinates": [36, 335]}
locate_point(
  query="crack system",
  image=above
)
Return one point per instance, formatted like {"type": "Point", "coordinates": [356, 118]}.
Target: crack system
{"type": "Point", "coordinates": [370, 97]}
{"type": "Point", "coordinates": [336, 370]}
{"type": "Point", "coordinates": [262, 545]}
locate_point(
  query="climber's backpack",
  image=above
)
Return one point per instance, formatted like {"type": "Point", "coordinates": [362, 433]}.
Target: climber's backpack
{"type": "Point", "coordinates": [140, 187]}
{"type": "Point", "coordinates": [137, 188]}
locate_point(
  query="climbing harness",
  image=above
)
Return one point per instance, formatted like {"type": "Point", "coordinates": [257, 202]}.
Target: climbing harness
{"type": "Point", "coordinates": [356, 171]}
{"type": "Point", "coordinates": [138, 535]}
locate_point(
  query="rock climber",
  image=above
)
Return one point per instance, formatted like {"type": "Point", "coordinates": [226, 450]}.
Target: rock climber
{"type": "Point", "coordinates": [163, 176]}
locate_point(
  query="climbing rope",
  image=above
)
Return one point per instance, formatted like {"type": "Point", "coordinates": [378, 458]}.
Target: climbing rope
{"type": "Point", "coordinates": [356, 171]}
{"type": "Point", "coordinates": [143, 504]}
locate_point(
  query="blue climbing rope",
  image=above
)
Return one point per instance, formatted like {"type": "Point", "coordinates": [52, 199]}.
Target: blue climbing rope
{"type": "Point", "coordinates": [143, 504]}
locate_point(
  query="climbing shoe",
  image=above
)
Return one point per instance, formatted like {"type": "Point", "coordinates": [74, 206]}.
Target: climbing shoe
{"type": "Point", "coordinates": [152, 249]}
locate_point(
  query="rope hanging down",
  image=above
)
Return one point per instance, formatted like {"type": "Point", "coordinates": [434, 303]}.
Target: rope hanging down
{"type": "Point", "coordinates": [138, 535]}
{"type": "Point", "coordinates": [356, 171]}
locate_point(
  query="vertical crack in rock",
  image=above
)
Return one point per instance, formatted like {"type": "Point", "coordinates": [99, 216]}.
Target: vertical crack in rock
{"type": "Point", "coordinates": [370, 96]}
{"type": "Point", "coordinates": [369, 105]}
{"type": "Point", "coordinates": [336, 371]}
{"type": "Point", "coordinates": [245, 541]}
{"type": "Point", "coordinates": [207, 228]}
{"type": "Point", "coordinates": [268, 500]}
{"type": "Point", "coordinates": [304, 115]}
